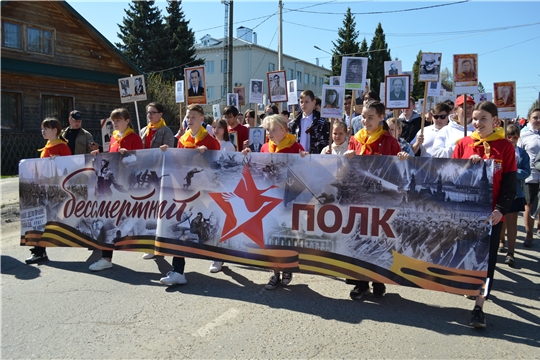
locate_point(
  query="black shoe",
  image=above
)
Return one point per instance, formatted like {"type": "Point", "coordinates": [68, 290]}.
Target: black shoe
{"type": "Point", "coordinates": [286, 278]}
{"type": "Point", "coordinates": [275, 279]}
{"type": "Point", "coordinates": [527, 243]}
{"type": "Point", "coordinates": [478, 320]}
{"type": "Point", "coordinates": [359, 291]}
{"type": "Point", "coordinates": [379, 289]}
{"type": "Point", "coordinates": [36, 257]}
{"type": "Point", "coordinates": [509, 260]}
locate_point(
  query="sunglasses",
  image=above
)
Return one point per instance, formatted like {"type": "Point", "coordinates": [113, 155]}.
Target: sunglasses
{"type": "Point", "coordinates": [436, 117]}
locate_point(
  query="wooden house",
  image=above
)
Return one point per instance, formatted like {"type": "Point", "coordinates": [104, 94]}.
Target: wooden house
{"type": "Point", "coordinates": [53, 61]}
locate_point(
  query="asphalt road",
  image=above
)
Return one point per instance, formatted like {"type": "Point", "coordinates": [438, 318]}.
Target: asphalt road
{"type": "Point", "coordinates": [61, 310]}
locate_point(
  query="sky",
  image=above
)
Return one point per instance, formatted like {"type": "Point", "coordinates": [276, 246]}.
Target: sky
{"type": "Point", "coordinates": [504, 34]}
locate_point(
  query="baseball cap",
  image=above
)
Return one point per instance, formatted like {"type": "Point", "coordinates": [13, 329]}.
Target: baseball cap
{"type": "Point", "coordinates": [460, 100]}
{"type": "Point", "coordinates": [75, 115]}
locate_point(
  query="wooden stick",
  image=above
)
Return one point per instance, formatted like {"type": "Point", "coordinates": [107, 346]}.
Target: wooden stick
{"type": "Point", "coordinates": [464, 115]}
{"type": "Point", "coordinates": [332, 121]}
{"type": "Point", "coordinates": [353, 101]}
{"type": "Point", "coordinates": [423, 120]}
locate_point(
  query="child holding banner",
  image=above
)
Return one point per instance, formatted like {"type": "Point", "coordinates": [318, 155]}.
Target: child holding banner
{"type": "Point", "coordinates": [124, 139]}
{"type": "Point", "coordinates": [280, 141]}
{"type": "Point", "coordinates": [340, 142]}
{"type": "Point", "coordinates": [372, 139]}
{"type": "Point", "coordinates": [56, 146]}
{"type": "Point", "coordinates": [488, 142]}
{"type": "Point", "coordinates": [196, 137]}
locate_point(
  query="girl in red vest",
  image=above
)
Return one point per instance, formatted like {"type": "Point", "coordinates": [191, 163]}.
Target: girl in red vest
{"type": "Point", "coordinates": [372, 139]}
{"type": "Point", "coordinates": [280, 141]}
{"type": "Point", "coordinates": [124, 139]}
{"type": "Point", "coordinates": [56, 146]}
{"type": "Point", "coordinates": [485, 143]}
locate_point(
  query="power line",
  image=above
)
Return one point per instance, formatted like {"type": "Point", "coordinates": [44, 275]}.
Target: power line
{"type": "Point", "coordinates": [428, 34]}
{"type": "Point", "coordinates": [381, 12]}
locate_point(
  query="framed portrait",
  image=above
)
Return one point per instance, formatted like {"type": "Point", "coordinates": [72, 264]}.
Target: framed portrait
{"type": "Point", "coordinates": [392, 67]}
{"type": "Point", "coordinates": [482, 97]}
{"type": "Point", "coordinates": [255, 91]}
{"type": "Point", "coordinates": [397, 91]}
{"type": "Point", "coordinates": [505, 97]}
{"type": "Point", "coordinates": [292, 94]}
{"type": "Point", "coordinates": [410, 75]}
{"type": "Point", "coordinates": [179, 93]}
{"type": "Point", "coordinates": [233, 139]}
{"type": "Point", "coordinates": [353, 72]}
{"type": "Point", "coordinates": [232, 99]}
{"type": "Point", "coordinates": [465, 70]}
{"type": "Point", "coordinates": [132, 89]}
{"type": "Point", "coordinates": [196, 83]}
{"type": "Point", "coordinates": [260, 107]}
{"type": "Point", "coordinates": [241, 92]}
{"type": "Point", "coordinates": [216, 111]}
{"type": "Point", "coordinates": [335, 80]}
{"type": "Point", "coordinates": [107, 129]}
{"type": "Point", "coordinates": [434, 88]}
{"type": "Point", "coordinates": [276, 86]}
{"type": "Point", "coordinates": [430, 67]}
{"type": "Point", "coordinates": [381, 92]}
{"type": "Point", "coordinates": [257, 136]}
{"type": "Point", "coordinates": [332, 101]}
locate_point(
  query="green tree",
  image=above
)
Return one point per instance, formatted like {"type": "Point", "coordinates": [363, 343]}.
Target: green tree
{"type": "Point", "coordinates": [419, 87]}
{"type": "Point", "coordinates": [378, 54]}
{"type": "Point", "coordinates": [364, 51]}
{"type": "Point", "coordinates": [447, 79]}
{"type": "Point", "coordinates": [346, 44]}
{"type": "Point", "coordinates": [481, 88]}
{"type": "Point", "coordinates": [163, 92]}
{"type": "Point", "coordinates": [142, 36]}
{"type": "Point", "coordinates": [180, 42]}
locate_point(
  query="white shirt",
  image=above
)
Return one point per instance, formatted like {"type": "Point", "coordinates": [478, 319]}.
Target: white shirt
{"type": "Point", "coordinates": [447, 138]}
{"type": "Point", "coordinates": [530, 142]}
{"type": "Point", "coordinates": [305, 123]}
{"type": "Point", "coordinates": [430, 133]}
{"type": "Point", "coordinates": [226, 146]}
{"type": "Point", "coordinates": [337, 149]}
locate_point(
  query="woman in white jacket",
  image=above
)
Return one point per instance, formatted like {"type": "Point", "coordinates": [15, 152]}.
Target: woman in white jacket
{"type": "Point", "coordinates": [447, 138]}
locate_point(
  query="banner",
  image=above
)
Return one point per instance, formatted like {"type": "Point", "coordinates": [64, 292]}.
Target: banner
{"type": "Point", "coordinates": [418, 222]}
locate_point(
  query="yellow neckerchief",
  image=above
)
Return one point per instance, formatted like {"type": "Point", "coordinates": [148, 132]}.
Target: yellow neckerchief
{"type": "Point", "coordinates": [189, 141]}
{"type": "Point", "coordinates": [366, 140]}
{"type": "Point", "coordinates": [51, 144]}
{"type": "Point", "coordinates": [497, 134]}
{"type": "Point", "coordinates": [287, 142]}
{"type": "Point", "coordinates": [161, 123]}
{"type": "Point", "coordinates": [119, 138]}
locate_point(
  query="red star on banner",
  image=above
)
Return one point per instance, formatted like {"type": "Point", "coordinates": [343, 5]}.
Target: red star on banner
{"type": "Point", "coordinates": [245, 208]}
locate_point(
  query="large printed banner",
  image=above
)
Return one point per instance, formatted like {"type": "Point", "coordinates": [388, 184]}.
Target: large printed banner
{"type": "Point", "coordinates": [418, 222]}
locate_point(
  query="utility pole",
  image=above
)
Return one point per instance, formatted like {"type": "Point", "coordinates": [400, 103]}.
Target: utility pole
{"type": "Point", "coordinates": [230, 57]}
{"type": "Point", "coordinates": [280, 37]}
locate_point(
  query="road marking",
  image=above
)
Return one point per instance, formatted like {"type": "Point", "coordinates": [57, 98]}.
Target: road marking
{"type": "Point", "coordinates": [220, 320]}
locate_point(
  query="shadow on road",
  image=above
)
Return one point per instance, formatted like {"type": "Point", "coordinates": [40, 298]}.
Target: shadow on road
{"type": "Point", "coordinates": [21, 271]}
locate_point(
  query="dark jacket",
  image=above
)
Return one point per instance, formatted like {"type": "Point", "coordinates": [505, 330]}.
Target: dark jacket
{"type": "Point", "coordinates": [319, 132]}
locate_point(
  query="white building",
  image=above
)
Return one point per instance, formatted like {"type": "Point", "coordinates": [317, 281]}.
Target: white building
{"type": "Point", "coordinates": [252, 61]}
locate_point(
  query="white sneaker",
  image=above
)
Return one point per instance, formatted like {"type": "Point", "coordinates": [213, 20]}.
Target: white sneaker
{"type": "Point", "coordinates": [101, 264]}
{"type": "Point", "coordinates": [148, 256]}
{"type": "Point", "coordinates": [215, 266]}
{"type": "Point", "coordinates": [173, 278]}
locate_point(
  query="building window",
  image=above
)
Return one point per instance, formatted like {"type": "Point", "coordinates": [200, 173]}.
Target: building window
{"type": "Point", "coordinates": [299, 76]}
{"type": "Point", "coordinates": [313, 80]}
{"type": "Point", "coordinates": [306, 79]}
{"type": "Point", "coordinates": [224, 67]}
{"type": "Point", "coordinates": [12, 35]}
{"type": "Point", "coordinates": [271, 67]}
{"type": "Point", "coordinates": [56, 106]}
{"type": "Point", "coordinates": [39, 40]}
{"type": "Point", "coordinates": [321, 81]}
{"type": "Point", "coordinates": [290, 74]}
{"type": "Point", "coordinates": [11, 111]}
{"type": "Point", "coordinates": [209, 67]}
{"type": "Point", "coordinates": [223, 92]}
{"type": "Point", "coordinates": [210, 92]}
